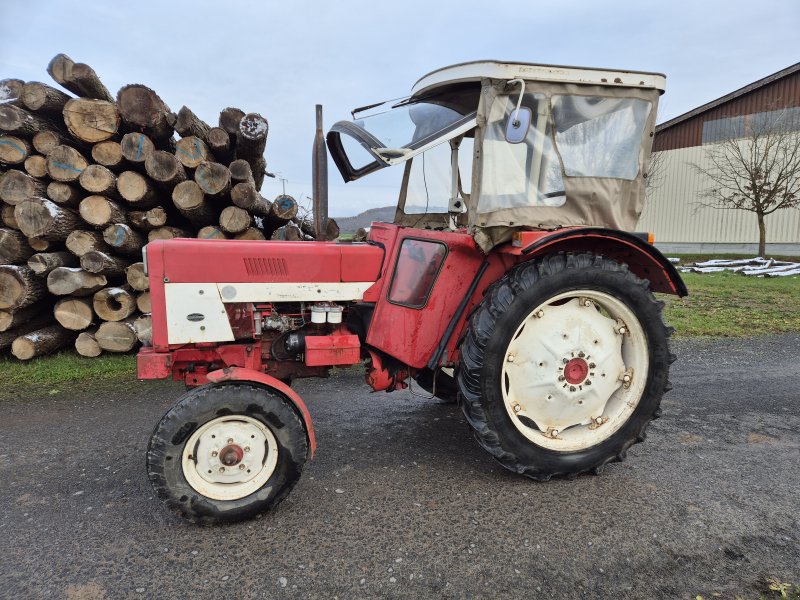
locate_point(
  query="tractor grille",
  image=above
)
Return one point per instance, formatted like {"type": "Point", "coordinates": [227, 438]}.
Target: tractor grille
{"type": "Point", "coordinates": [272, 267]}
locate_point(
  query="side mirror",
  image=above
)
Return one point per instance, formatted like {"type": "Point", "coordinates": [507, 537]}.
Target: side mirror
{"type": "Point", "coordinates": [518, 124]}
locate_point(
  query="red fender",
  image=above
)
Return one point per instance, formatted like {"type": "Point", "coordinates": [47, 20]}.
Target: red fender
{"type": "Point", "coordinates": [242, 374]}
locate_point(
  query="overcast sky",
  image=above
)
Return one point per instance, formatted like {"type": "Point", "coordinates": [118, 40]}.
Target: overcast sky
{"type": "Point", "coordinates": [281, 58]}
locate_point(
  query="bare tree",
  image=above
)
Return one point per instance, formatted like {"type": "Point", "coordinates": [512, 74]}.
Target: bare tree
{"type": "Point", "coordinates": [655, 173]}
{"type": "Point", "coordinates": [758, 172]}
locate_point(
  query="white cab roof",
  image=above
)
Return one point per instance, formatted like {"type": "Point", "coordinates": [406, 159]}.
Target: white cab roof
{"type": "Point", "coordinates": [495, 69]}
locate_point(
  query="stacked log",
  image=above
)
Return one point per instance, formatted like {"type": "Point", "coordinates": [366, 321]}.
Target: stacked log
{"type": "Point", "coordinates": [87, 178]}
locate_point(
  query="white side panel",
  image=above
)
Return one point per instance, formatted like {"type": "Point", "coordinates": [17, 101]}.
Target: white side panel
{"type": "Point", "coordinates": [293, 292]}
{"type": "Point", "coordinates": [209, 320]}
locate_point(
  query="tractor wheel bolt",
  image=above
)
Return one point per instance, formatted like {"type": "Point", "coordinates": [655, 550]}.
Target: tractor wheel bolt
{"type": "Point", "coordinates": [222, 469]}
{"type": "Point", "coordinates": [247, 448]}
{"type": "Point", "coordinates": [214, 453]}
{"type": "Point", "coordinates": [241, 466]}
{"type": "Point", "coordinates": [540, 313]}
{"type": "Point", "coordinates": [510, 358]}
{"type": "Point", "coordinates": [230, 440]}
{"type": "Point", "coordinates": [517, 408]}
{"type": "Point", "coordinates": [622, 331]}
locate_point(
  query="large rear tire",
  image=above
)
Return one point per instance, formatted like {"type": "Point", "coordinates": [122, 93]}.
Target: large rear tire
{"type": "Point", "coordinates": [227, 452]}
{"type": "Point", "coordinates": [564, 365]}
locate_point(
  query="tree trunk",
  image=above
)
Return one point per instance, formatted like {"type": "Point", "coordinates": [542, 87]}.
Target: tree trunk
{"type": "Point", "coordinates": [16, 186]}
{"type": "Point", "coordinates": [10, 91]}
{"type": "Point", "coordinates": [100, 212]}
{"type": "Point", "coordinates": [143, 110]}
{"type": "Point", "coordinates": [64, 194]}
{"type": "Point", "coordinates": [251, 140]}
{"type": "Point", "coordinates": [14, 247]}
{"type": "Point", "coordinates": [8, 217]}
{"type": "Point", "coordinates": [136, 277]}
{"type": "Point", "coordinates": [144, 329]}
{"type": "Point", "coordinates": [40, 342]}
{"type": "Point", "coordinates": [91, 121]}
{"type": "Point", "coordinates": [137, 190]}
{"type": "Point", "coordinates": [86, 344]}
{"type": "Point", "coordinates": [136, 147]}
{"type": "Point", "coordinates": [40, 97]}
{"type": "Point", "coordinates": [40, 218]}
{"type": "Point", "coordinates": [65, 164]}
{"type": "Point", "coordinates": [189, 123]}
{"type": "Point", "coordinates": [36, 322]}
{"type": "Point", "coordinates": [80, 79]}
{"type": "Point", "coordinates": [13, 150]}
{"type": "Point", "coordinates": [44, 262]}
{"type": "Point", "coordinates": [234, 219]}
{"type": "Point", "coordinates": [191, 151]}
{"type": "Point", "coordinates": [81, 242]}
{"type": "Point", "coordinates": [117, 336]}
{"type": "Point", "coordinates": [97, 179]}
{"type": "Point", "coordinates": [165, 169]}
{"type": "Point", "coordinates": [241, 172]}
{"type": "Point", "coordinates": [124, 239]}
{"type": "Point", "coordinates": [19, 287]}
{"type": "Point", "coordinates": [40, 245]}
{"type": "Point", "coordinates": [114, 304]}
{"type": "Point", "coordinates": [211, 233]}
{"type": "Point", "coordinates": [148, 220]}
{"type": "Point", "coordinates": [36, 166]}
{"type": "Point", "coordinates": [251, 233]}
{"type": "Point", "coordinates": [244, 195]}
{"type": "Point", "coordinates": [75, 314]}
{"type": "Point", "coordinates": [103, 264]}
{"type": "Point", "coordinates": [192, 204]}
{"type": "Point", "coordinates": [19, 122]}
{"type": "Point", "coordinates": [34, 313]}
{"type": "Point", "coordinates": [331, 230]}
{"type": "Point", "coordinates": [68, 281]}
{"type": "Point", "coordinates": [229, 120]}
{"type": "Point", "coordinates": [108, 154]}
{"type": "Point", "coordinates": [213, 178]}
{"type": "Point", "coordinates": [167, 233]}
{"type": "Point", "coordinates": [289, 232]}
{"type": "Point", "coordinates": [143, 302]}
{"type": "Point", "coordinates": [762, 235]}
{"type": "Point", "coordinates": [45, 141]}
{"type": "Point", "coordinates": [284, 209]}
{"type": "Point", "coordinates": [219, 142]}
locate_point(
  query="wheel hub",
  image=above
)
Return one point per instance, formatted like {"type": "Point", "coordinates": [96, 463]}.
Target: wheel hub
{"type": "Point", "coordinates": [575, 371]}
{"type": "Point", "coordinates": [231, 455]}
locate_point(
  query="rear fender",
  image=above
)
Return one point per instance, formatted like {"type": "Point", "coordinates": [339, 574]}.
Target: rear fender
{"type": "Point", "coordinates": [234, 374]}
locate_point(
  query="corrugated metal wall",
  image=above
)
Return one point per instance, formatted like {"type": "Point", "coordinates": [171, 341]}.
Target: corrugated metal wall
{"type": "Point", "coordinates": [673, 214]}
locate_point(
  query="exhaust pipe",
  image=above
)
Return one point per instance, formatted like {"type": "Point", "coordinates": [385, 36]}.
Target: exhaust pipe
{"type": "Point", "coordinates": [319, 170]}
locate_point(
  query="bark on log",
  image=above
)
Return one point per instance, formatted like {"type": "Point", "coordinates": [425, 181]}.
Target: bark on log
{"type": "Point", "coordinates": [144, 329]}
{"type": "Point", "coordinates": [40, 97]}
{"type": "Point", "coordinates": [10, 91]}
{"type": "Point", "coordinates": [219, 142]}
{"type": "Point", "coordinates": [13, 150]}
{"type": "Point", "coordinates": [19, 287]}
{"type": "Point", "coordinates": [213, 178]}
{"type": "Point", "coordinates": [241, 172]}
{"type": "Point", "coordinates": [165, 169]}
{"type": "Point", "coordinates": [8, 217]}
{"type": "Point", "coordinates": [137, 190]}
{"type": "Point", "coordinates": [143, 302]}
{"type": "Point", "coordinates": [136, 147]}
{"type": "Point", "coordinates": [108, 154]}
{"type": "Point", "coordinates": [41, 218]}
{"type": "Point", "coordinates": [45, 141]}
{"type": "Point", "coordinates": [97, 179]}
{"type": "Point", "coordinates": [40, 245]}
{"type": "Point", "coordinates": [167, 233]}
{"type": "Point", "coordinates": [251, 140]}
{"type": "Point", "coordinates": [64, 194]}
{"type": "Point", "coordinates": [40, 342]}
{"type": "Point", "coordinates": [190, 200]}
{"type": "Point", "coordinates": [86, 344]}
{"type": "Point", "coordinates": [36, 166]}
{"type": "Point", "coordinates": [136, 277]}
{"type": "Point", "coordinates": [189, 123]}
{"type": "Point", "coordinates": [12, 319]}
{"type": "Point", "coordinates": [331, 230]}
{"type": "Point", "coordinates": [81, 242]}
{"type": "Point", "coordinates": [114, 304]}
{"type": "Point", "coordinates": [289, 232]}
{"type": "Point", "coordinates": [14, 247]}
{"type": "Point", "coordinates": [211, 233]}
{"type": "Point", "coordinates": [149, 219]}
{"type": "Point", "coordinates": [234, 219]}
{"type": "Point", "coordinates": [117, 336]}
{"type": "Point", "coordinates": [229, 119]}
{"type": "Point", "coordinates": [191, 151]}
{"type": "Point", "coordinates": [284, 208]}
{"type": "Point", "coordinates": [19, 122]}
{"type": "Point", "coordinates": [78, 78]}
{"type": "Point", "coordinates": [65, 164]}
{"type": "Point", "coordinates": [251, 233]}
{"type": "Point", "coordinates": [75, 314]}
{"type": "Point", "coordinates": [103, 263]}
{"type": "Point", "coordinates": [16, 186]}
{"type": "Point", "coordinates": [100, 212]}
{"type": "Point", "coordinates": [68, 281]}
{"type": "Point", "coordinates": [124, 239]}
{"type": "Point", "coordinates": [143, 110]}
{"type": "Point", "coordinates": [305, 224]}
{"type": "Point", "coordinates": [44, 262]}
{"type": "Point", "coordinates": [91, 121]}
{"type": "Point", "coordinates": [244, 195]}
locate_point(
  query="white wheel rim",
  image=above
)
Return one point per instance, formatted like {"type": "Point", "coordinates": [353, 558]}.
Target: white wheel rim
{"type": "Point", "coordinates": [230, 457]}
{"type": "Point", "coordinates": [575, 370]}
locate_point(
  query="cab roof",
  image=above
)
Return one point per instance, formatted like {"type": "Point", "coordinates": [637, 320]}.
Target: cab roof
{"type": "Point", "coordinates": [496, 69]}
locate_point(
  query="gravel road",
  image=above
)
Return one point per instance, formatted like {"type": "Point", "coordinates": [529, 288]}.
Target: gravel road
{"type": "Point", "coordinates": [401, 502]}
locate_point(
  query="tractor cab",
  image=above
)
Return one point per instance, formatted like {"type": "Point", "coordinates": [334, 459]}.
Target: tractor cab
{"type": "Point", "coordinates": [499, 147]}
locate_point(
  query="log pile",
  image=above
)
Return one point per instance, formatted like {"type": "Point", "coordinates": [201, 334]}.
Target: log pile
{"type": "Point", "coordinates": [87, 178]}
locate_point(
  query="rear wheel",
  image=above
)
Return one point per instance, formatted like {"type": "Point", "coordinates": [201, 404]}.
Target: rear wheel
{"type": "Point", "coordinates": [564, 365]}
{"type": "Point", "coordinates": [226, 452]}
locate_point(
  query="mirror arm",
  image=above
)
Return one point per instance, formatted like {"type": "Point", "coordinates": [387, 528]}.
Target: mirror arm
{"type": "Point", "coordinates": [515, 119]}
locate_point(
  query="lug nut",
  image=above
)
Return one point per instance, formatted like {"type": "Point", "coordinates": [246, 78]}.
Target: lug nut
{"type": "Point", "coordinates": [623, 331]}
{"type": "Point", "coordinates": [592, 365]}
{"type": "Point", "coordinates": [540, 313]}
{"type": "Point", "coordinates": [626, 378]}
{"type": "Point", "coordinates": [247, 448]}
{"type": "Point", "coordinates": [517, 408]}
{"type": "Point", "coordinates": [561, 378]}
{"type": "Point", "coordinates": [241, 466]}
{"type": "Point", "coordinates": [222, 469]}
{"type": "Point", "coordinates": [510, 358]}
{"type": "Point", "coordinates": [587, 303]}
{"type": "Point", "coordinates": [230, 440]}
{"type": "Point", "coordinates": [214, 453]}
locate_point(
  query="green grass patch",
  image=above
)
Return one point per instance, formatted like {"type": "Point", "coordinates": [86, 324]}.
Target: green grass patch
{"type": "Point", "coordinates": [66, 367]}
{"type": "Point", "coordinates": [731, 305]}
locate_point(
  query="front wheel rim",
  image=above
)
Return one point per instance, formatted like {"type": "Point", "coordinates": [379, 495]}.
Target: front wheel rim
{"type": "Point", "coordinates": [575, 370]}
{"type": "Point", "coordinates": [230, 457]}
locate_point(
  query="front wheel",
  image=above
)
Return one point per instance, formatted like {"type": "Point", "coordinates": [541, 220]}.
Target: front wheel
{"type": "Point", "coordinates": [226, 452]}
{"type": "Point", "coordinates": [564, 365]}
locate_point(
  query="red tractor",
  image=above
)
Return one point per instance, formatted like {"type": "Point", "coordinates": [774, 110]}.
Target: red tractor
{"type": "Point", "coordinates": [509, 282]}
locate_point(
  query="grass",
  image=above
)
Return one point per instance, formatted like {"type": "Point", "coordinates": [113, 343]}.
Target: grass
{"type": "Point", "coordinates": [66, 367]}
